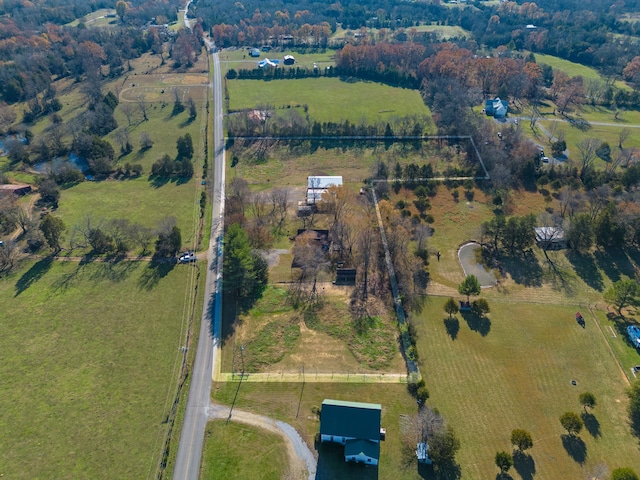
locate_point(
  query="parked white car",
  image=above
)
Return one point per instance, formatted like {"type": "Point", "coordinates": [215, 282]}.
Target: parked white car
{"type": "Point", "coordinates": [187, 257]}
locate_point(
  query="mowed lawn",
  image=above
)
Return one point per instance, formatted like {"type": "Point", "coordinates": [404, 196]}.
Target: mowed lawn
{"type": "Point", "coordinates": [236, 450]}
{"type": "Point", "coordinates": [518, 375]}
{"type": "Point", "coordinates": [329, 99]}
{"type": "Point", "coordinates": [87, 367]}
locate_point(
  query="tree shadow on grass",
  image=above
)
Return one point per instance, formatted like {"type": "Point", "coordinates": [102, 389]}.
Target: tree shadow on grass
{"type": "Point", "coordinates": [155, 271]}
{"type": "Point", "coordinates": [113, 271]}
{"type": "Point", "coordinates": [331, 464]}
{"type": "Point", "coordinates": [586, 268]}
{"type": "Point", "coordinates": [477, 323]}
{"type": "Point", "coordinates": [524, 269]}
{"type": "Point", "coordinates": [575, 447]}
{"type": "Point", "coordinates": [503, 476]}
{"type": "Point", "coordinates": [70, 278]}
{"type": "Point", "coordinates": [615, 263]}
{"type": "Point", "coordinates": [35, 273]}
{"type": "Point", "coordinates": [524, 464]}
{"type": "Point", "coordinates": [452, 325]}
{"type": "Point", "coordinates": [442, 472]}
{"type": "Point", "coordinates": [160, 181]}
{"type": "Point", "coordinates": [591, 423]}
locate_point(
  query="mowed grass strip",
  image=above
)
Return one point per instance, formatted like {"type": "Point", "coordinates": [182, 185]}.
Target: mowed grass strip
{"type": "Point", "coordinates": [519, 376]}
{"type": "Point", "coordinates": [236, 450]}
{"type": "Point", "coordinates": [87, 363]}
{"type": "Point", "coordinates": [293, 403]}
{"type": "Point", "coordinates": [329, 99]}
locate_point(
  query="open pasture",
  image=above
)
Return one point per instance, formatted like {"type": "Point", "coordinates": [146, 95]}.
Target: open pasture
{"type": "Point", "coordinates": [159, 87]}
{"type": "Point", "coordinates": [89, 366]}
{"type": "Point", "coordinates": [329, 99]}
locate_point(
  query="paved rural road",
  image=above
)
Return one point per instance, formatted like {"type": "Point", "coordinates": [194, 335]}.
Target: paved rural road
{"type": "Point", "coordinates": [301, 459]}
{"type": "Point", "coordinates": [187, 465]}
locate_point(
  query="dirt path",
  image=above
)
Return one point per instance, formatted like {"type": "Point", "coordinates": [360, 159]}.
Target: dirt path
{"type": "Point", "coordinates": [302, 463]}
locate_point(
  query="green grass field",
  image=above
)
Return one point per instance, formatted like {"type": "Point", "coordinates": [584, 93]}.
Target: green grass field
{"type": "Point", "coordinates": [136, 200]}
{"type": "Point", "coordinates": [329, 99]}
{"type": "Point", "coordinates": [99, 18]}
{"type": "Point", "coordinates": [262, 454]}
{"type": "Point", "coordinates": [516, 373]}
{"type": "Point", "coordinates": [574, 69]}
{"type": "Point", "coordinates": [139, 199]}
{"type": "Point", "coordinates": [88, 363]}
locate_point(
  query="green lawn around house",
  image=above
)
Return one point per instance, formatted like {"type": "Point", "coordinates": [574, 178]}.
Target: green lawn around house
{"type": "Point", "coordinates": [89, 362]}
{"type": "Point", "coordinates": [236, 450]}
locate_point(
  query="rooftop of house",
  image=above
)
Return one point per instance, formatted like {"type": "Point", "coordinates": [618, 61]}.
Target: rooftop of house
{"type": "Point", "coordinates": [549, 234]}
{"type": "Point", "coordinates": [362, 447]}
{"type": "Point", "coordinates": [351, 419]}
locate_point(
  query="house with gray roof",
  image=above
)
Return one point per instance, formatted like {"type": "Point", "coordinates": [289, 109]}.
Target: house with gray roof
{"type": "Point", "coordinates": [355, 425]}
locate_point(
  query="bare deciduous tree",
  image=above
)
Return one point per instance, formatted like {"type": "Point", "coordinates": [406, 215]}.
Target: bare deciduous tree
{"type": "Point", "coordinates": [127, 109]}
{"type": "Point", "coordinates": [9, 254]}
{"type": "Point", "coordinates": [145, 141]}
{"type": "Point", "coordinates": [143, 106]}
{"type": "Point", "coordinates": [124, 139]}
{"type": "Point", "coordinates": [279, 203]}
{"type": "Point", "coordinates": [587, 154]}
{"type": "Point", "coordinates": [623, 134]}
{"type": "Point", "coordinates": [312, 260]}
{"type": "Point", "coordinates": [571, 201]}
{"type": "Point", "coordinates": [598, 199]}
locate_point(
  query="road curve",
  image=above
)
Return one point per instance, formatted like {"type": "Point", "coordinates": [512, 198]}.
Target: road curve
{"type": "Point", "coordinates": [187, 466]}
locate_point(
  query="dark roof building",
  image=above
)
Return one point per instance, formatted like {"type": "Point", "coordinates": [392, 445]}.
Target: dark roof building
{"type": "Point", "coordinates": [355, 425]}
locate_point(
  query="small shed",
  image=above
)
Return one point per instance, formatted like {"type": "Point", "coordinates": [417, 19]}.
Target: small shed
{"type": "Point", "coordinates": [289, 60]}
{"type": "Point", "coordinates": [254, 52]}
